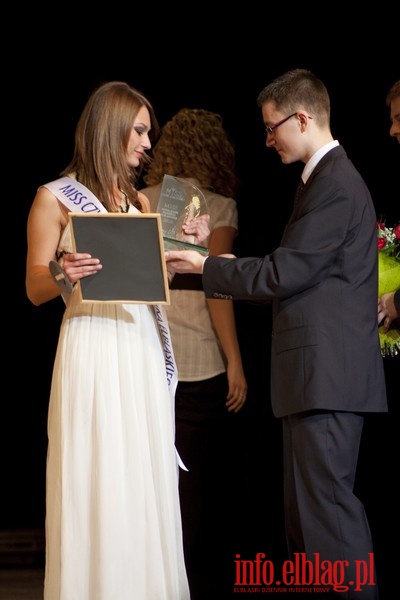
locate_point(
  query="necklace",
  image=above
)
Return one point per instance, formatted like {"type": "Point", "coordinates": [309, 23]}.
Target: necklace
{"type": "Point", "coordinates": [124, 207]}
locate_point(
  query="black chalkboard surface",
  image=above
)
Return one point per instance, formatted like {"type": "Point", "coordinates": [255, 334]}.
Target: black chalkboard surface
{"type": "Point", "coordinates": [131, 250]}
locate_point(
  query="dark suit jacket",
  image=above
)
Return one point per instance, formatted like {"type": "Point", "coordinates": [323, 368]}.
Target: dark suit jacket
{"type": "Point", "coordinates": [323, 284]}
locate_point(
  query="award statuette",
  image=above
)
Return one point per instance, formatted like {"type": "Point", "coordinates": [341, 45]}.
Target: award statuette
{"type": "Point", "coordinates": [180, 201]}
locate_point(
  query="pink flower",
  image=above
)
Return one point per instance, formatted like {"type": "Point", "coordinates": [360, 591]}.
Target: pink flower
{"type": "Point", "coordinates": [389, 239]}
{"type": "Point", "coordinates": [381, 243]}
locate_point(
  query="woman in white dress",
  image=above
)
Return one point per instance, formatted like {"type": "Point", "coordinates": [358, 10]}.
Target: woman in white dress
{"type": "Point", "coordinates": [113, 523]}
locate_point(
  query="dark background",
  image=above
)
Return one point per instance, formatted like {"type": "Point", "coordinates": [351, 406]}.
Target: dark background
{"type": "Point", "coordinates": [221, 64]}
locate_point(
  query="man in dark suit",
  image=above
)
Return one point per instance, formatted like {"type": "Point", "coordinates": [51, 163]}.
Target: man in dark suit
{"type": "Point", "coordinates": [326, 367]}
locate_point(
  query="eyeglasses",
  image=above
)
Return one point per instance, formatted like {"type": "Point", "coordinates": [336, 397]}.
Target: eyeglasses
{"type": "Point", "coordinates": [271, 129]}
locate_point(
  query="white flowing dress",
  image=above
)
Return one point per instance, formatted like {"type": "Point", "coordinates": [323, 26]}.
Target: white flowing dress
{"type": "Point", "coordinates": [113, 523]}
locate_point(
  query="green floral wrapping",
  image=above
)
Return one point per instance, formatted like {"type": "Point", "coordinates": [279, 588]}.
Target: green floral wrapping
{"type": "Point", "coordinates": [389, 281]}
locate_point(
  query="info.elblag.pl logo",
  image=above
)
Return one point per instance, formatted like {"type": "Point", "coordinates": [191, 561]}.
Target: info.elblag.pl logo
{"type": "Point", "coordinates": [338, 575]}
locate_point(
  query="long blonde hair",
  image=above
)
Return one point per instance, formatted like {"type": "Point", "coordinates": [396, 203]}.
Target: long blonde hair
{"type": "Point", "coordinates": [101, 140]}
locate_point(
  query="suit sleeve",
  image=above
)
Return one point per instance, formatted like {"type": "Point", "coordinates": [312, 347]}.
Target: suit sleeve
{"type": "Point", "coordinates": [310, 246]}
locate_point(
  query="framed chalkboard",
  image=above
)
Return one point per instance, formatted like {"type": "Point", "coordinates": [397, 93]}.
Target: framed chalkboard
{"type": "Point", "coordinates": [131, 250]}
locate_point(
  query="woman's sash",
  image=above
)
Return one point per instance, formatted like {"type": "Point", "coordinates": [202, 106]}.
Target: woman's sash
{"type": "Point", "coordinates": [75, 196]}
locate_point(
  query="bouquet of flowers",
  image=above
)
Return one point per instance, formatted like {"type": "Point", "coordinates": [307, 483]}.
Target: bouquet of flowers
{"type": "Point", "coordinates": [389, 281]}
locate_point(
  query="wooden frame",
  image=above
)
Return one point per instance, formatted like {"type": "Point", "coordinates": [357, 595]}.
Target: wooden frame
{"type": "Point", "coordinates": [131, 249]}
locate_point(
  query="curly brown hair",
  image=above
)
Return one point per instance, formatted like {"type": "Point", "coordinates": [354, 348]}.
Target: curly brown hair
{"type": "Point", "coordinates": [195, 144]}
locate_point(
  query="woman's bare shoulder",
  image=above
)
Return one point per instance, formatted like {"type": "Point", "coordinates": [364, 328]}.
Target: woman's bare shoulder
{"type": "Point", "coordinates": [46, 202]}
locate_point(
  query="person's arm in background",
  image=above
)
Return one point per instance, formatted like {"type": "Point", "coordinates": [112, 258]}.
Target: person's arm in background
{"type": "Point", "coordinates": [223, 319]}
{"type": "Point", "coordinates": [388, 309]}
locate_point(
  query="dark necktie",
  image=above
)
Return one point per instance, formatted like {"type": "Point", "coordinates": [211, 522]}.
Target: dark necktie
{"type": "Point", "coordinates": [299, 191]}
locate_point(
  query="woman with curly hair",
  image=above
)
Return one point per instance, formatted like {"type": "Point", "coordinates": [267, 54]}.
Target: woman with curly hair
{"type": "Point", "coordinates": [212, 387]}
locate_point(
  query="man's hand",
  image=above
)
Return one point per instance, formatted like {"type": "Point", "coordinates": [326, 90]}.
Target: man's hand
{"type": "Point", "coordinates": [387, 312]}
{"type": "Point", "coordinates": [184, 261]}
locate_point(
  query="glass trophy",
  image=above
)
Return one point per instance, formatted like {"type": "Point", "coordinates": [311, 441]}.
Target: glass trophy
{"type": "Point", "coordinates": [180, 201]}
